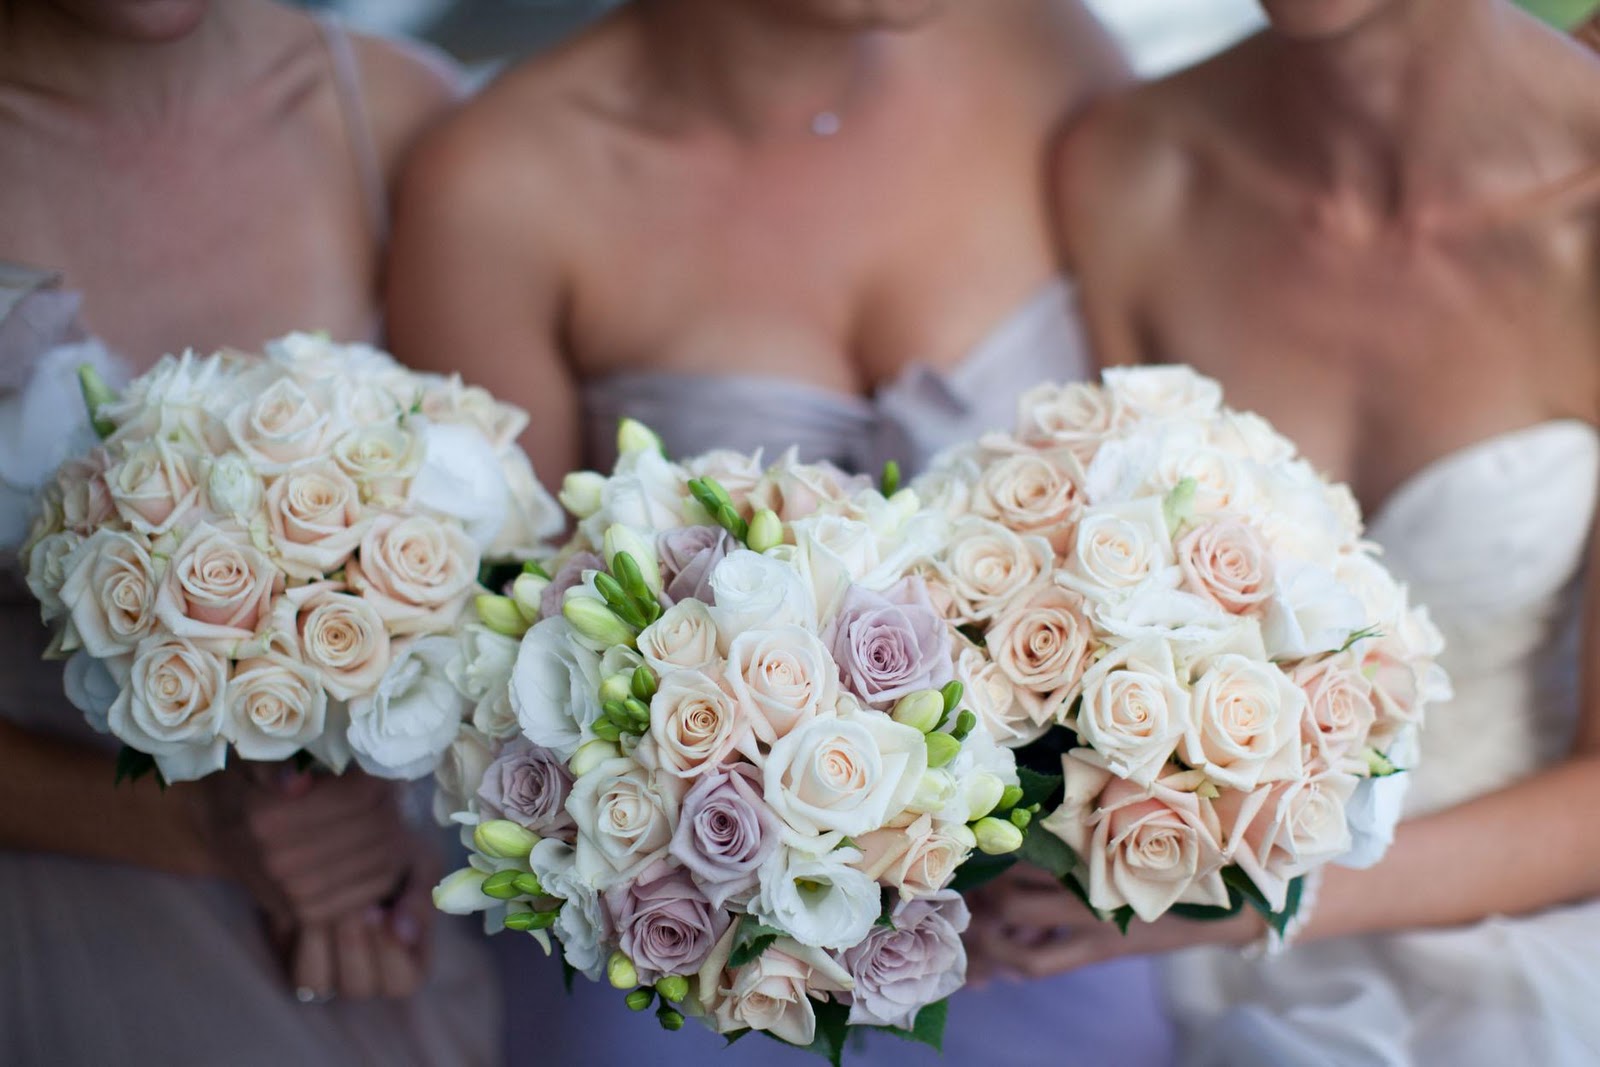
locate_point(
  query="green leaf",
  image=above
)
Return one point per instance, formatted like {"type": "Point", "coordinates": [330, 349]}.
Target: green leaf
{"type": "Point", "coordinates": [1361, 635]}
{"type": "Point", "coordinates": [885, 918]}
{"type": "Point", "coordinates": [833, 1027]}
{"type": "Point", "coordinates": [1037, 788]}
{"type": "Point", "coordinates": [133, 765]}
{"type": "Point", "coordinates": [736, 1036]}
{"type": "Point", "coordinates": [1239, 882]}
{"type": "Point", "coordinates": [974, 634]}
{"type": "Point", "coordinates": [928, 1027]}
{"type": "Point", "coordinates": [1179, 504]}
{"type": "Point", "coordinates": [497, 576]}
{"type": "Point", "coordinates": [1046, 851]}
{"type": "Point", "coordinates": [980, 870]}
{"type": "Point", "coordinates": [753, 938]}
{"type": "Point", "coordinates": [303, 761]}
{"type": "Point", "coordinates": [569, 974]}
{"type": "Point", "coordinates": [1122, 917]}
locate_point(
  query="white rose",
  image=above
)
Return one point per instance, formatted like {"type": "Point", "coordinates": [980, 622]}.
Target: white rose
{"type": "Point", "coordinates": [312, 358]}
{"type": "Point", "coordinates": [1312, 612]}
{"type": "Point", "coordinates": [1339, 713]}
{"type": "Point", "coordinates": [404, 726]}
{"type": "Point", "coordinates": [1249, 436]}
{"type": "Point", "coordinates": [947, 485]}
{"type": "Point", "coordinates": [1043, 645]}
{"type": "Point", "coordinates": [532, 514]}
{"type": "Point", "coordinates": [834, 777]}
{"type": "Point", "coordinates": [1134, 709]}
{"type": "Point", "coordinates": [1118, 548]}
{"type": "Point", "coordinates": [1174, 392]}
{"type": "Point", "coordinates": [172, 707]}
{"type": "Point", "coordinates": [93, 685]}
{"type": "Point", "coordinates": [170, 402]}
{"type": "Point", "coordinates": [833, 552]}
{"type": "Point", "coordinates": [753, 591]}
{"type": "Point", "coordinates": [694, 723]}
{"type": "Point", "coordinates": [582, 924]}
{"type": "Point", "coordinates": [1077, 416]}
{"type": "Point", "coordinates": [1279, 832]}
{"type": "Point", "coordinates": [280, 426]}
{"type": "Point", "coordinates": [1244, 725]}
{"type": "Point", "coordinates": [795, 490]}
{"type": "Point", "coordinates": [625, 818]}
{"type": "Point", "coordinates": [460, 773]}
{"type": "Point", "coordinates": [233, 488]}
{"type": "Point", "coordinates": [338, 634]}
{"type": "Point", "coordinates": [48, 569]}
{"type": "Point", "coordinates": [461, 478]}
{"type": "Point", "coordinates": [276, 706]}
{"type": "Point", "coordinates": [782, 677]}
{"type": "Point", "coordinates": [382, 459]}
{"type": "Point", "coordinates": [820, 901]}
{"type": "Point", "coordinates": [986, 567]}
{"type": "Point", "coordinates": [314, 519]}
{"type": "Point", "coordinates": [555, 687]}
{"type": "Point", "coordinates": [646, 493]}
{"type": "Point", "coordinates": [449, 400]}
{"type": "Point", "coordinates": [684, 638]}
{"type": "Point", "coordinates": [416, 572]}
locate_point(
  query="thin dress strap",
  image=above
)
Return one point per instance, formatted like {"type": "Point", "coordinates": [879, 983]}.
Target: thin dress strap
{"type": "Point", "coordinates": [357, 123]}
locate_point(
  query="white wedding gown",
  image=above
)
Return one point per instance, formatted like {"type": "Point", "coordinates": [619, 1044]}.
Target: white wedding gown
{"type": "Point", "coordinates": [1493, 540]}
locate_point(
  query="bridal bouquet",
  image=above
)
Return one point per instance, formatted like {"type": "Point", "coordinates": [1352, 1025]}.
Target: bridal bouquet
{"type": "Point", "coordinates": [727, 766]}
{"type": "Point", "coordinates": [1158, 598]}
{"type": "Point", "coordinates": [271, 553]}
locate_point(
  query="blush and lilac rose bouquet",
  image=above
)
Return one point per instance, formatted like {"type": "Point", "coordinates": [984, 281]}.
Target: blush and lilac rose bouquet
{"type": "Point", "coordinates": [1209, 676]}
{"type": "Point", "coordinates": [275, 553]}
{"type": "Point", "coordinates": [719, 753]}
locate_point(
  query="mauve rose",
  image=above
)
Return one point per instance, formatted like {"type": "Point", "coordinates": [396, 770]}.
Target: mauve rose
{"type": "Point", "coordinates": [664, 924]}
{"type": "Point", "coordinates": [901, 969]}
{"type": "Point", "coordinates": [688, 556]}
{"type": "Point", "coordinates": [570, 575]}
{"type": "Point", "coordinates": [528, 785]}
{"type": "Point", "coordinates": [725, 832]}
{"type": "Point", "coordinates": [890, 644]}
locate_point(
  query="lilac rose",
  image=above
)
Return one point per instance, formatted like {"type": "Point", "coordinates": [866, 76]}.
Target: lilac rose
{"type": "Point", "coordinates": [900, 970]}
{"type": "Point", "coordinates": [664, 924]}
{"type": "Point", "coordinates": [725, 832]}
{"type": "Point", "coordinates": [890, 644]}
{"type": "Point", "coordinates": [528, 784]}
{"type": "Point", "coordinates": [688, 555]}
{"type": "Point", "coordinates": [570, 575]}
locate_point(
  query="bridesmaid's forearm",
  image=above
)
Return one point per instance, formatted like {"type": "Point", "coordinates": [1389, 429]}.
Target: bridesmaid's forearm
{"type": "Point", "coordinates": [61, 797]}
{"type": "Point", "coordinates": [1527, 847]}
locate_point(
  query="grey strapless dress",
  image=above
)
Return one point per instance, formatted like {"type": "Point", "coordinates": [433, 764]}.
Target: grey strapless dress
{"type": "Point", "coordinates": [108, 964]}
{"type": "Point", "coordinates": [1110, 1014]}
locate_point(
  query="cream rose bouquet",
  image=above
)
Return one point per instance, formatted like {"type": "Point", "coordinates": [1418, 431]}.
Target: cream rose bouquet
{"type": "Point", "coordinates": [719, 752]}
{"type": "Point", "coordinates": [273, 554]}
{"type": "Point", "coordinates": [1177, 621]}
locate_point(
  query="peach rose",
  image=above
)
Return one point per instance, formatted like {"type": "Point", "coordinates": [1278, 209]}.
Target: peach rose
{"type": "Point", "coordinates": [338, 634]}
{"type": "Point", "coordinates": [85, 500]}
{"type": "Point", "coordinates": [1339, 709]}
{"type": "Point", "coordinates": [918, 860]}
{"type": "Point", "coordinates": [155, 487]}
{"type": "Point", "coordinates": [111, 588]}
{"type": "Point", "coordinates": [795, 490]}
{"type": "Point", "coordinates": [314, 518]}
{"type": "Point", "coordinates": [217, 588]}
{"type": "Point", "coordinates": [172, 707]}
{"type": "Point", "coordinates": [49, 565]}
{"type": "Point", "coordinates": [683, 639]}
{"type": "Point", "coordinates": [1077, 416]}
{"type": "Point", "coordinates": [1244, 725]}
{"type": "Point", "coordinates": [1134, 710]}
{"type": "Point", "coordinates": [772, 992]}
{"type": "Point", "coordinates": [1279, 832]}
{"type": "Point", "coordinates": [993, 699]}
{"type": "Point", "coordinates": [276, 706]}
{"type": "Point", "coordinates": [1227, 563]}
{"type": "Point", "coordinates": [1117, 548]}
{"type": "Point", "coordinates": [1043, 646]}
{"type": "Point", "coordinates": [694, 723]}
{"type": "Point", "coordinates": [985, 567]}
{"type": "Point", "coordinates": [416, 572]}
{"type": "Point", "coordinates": [1033, 492]}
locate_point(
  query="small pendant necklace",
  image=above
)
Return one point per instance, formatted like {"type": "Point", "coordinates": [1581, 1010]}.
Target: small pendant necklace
{"type": "Point", "coordinates": [830, 121]}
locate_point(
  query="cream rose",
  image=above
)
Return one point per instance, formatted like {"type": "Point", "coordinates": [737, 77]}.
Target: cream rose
{"type": "Point", "coordinates": [338, 634]}
{"type": "Point", "coordinates": [1042, 646]}
{"type": "Point", "coordinates": [314, 518]}
{"type": "Point", "coordinates": [1339, 710]}
{"type": "Point", "coordinates": [172, 707]}
{"type": "Point", "coordinates": [694, 723]}
{"type": "Point", "coordinates": [993, 699]}
{"type": "Point", "coordinates": [1077, 416]}
{"type": "Point", "coordinates": [49, 566]}
{"type": "Point", "coordinates": [683, 639]}
{"type": "Point", "coordinates": [1173, 392]}
{"type": "Point", "coordinates": [276, 706]}
{"type": "Point", "coordinates": [796, 490]}
{"type": "Point", "coordinates": [625, 817]}
{"type": "Point", "coordinates": [452, 401]}
{"type": "Point", "coordinates": [985, 567]}
{"type": "Point", "coordinates": [919, 860]}
{"type": "Point", "coordinates": [1117, 548]}
{"type": "Point", "coordinates": [111, 588]}
{"type": "Point", "coordinates": [217, 588]}
{"type": "Point", "coordinates": [1229, 564]}
{"type": "Point", "coordinates": [156, 486]}
{"type": "Point", "coordinates": [1279, 832]}
{"type": "Point", "coordinates": [1244, 725]}
{"type": "Point", "coordinates": [1134, 709]}
{"type": "Point", "coordinates": [771, 993]}
{"type": "Point", "coordinates": [781, 677]}
{"type": "Point", "coordinates": [1032, 493]}
{"type": "Point", "coordinates": [382, 459]}
{"type": "Point", "coordinates": [280, 426]}
{"type": "Point", "coordinates": [416, 572]}
{"type": "Point", "coordinates": [86, 502]}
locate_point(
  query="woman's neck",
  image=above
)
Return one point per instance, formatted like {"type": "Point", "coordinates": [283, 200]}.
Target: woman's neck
{"type": "Point", "coordinates": [1424, 108]}
{"type": "Point", "coordinates": [46, 51]}
{"type": "Point", "coordinates": [760, 74]}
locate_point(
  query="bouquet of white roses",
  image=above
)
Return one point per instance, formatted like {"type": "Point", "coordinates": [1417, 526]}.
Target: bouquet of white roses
{"type": "Point", "coordinates": [1157, 596]}
{"type": "Point", "coordinates": [727, 766]}
{"type": "Point", "coordinates": [267, 553]}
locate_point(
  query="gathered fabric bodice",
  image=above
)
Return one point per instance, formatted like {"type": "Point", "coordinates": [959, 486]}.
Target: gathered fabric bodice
{"type": "Point", "coordinates": [909, 420]}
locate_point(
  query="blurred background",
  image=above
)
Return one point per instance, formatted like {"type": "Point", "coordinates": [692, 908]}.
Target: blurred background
{"type": "Point", "coordinates": [1159, 35]}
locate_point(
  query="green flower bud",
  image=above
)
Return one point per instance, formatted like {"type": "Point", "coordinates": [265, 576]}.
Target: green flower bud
{"type": "Point", "coordinates": [889, 481]}
{"type": "Point", "coordinates": [673, 987]}
{"type": "Point", "coordinates": [996, 837]}
{"type": "Point", "coordinates": [633, 436]}
{"type": "Point", "coordinates": [1020, 818]}
{"type": "Point", "coordinates": [590, 755]}
{"type": "Point", "coordinates": [500, 614]}
{"type": "Point", "coordinates": [1010, 798]}
{"type": "Point", "coordinates": [766, 530]}
{"type": "Point", "coordinates": [729, 520]}
{"type": "Point", "coordinates": [920, 711]}
{"type": "Point", "coordinates": [616, 689]}
{"type": "Point", "coordinates": [582, 493]}
{"type": "Point", "coordinates": [620, 972]}
{"type": "Point", "coordinates": [461, 892]}
{"type": "Point", "coordinates": [640, 999]}
{"type": "Point", "coordinates": [521, 920]}
{"type": "Point", "coordinates": [935, 789]}
{"type": "Point", "coordinates": [643, 683]}
{"type": "Point", "coordinates": [598, 623]}
{"type": "Point", "coordinates": [625, 540]}
{"type": "Point", "coordinates": [96, 394]}
{"type": "Point", "coordinates": [952, 693]}
{"type": "Point", "coordinates": [528, 883]}
{"type": "Point", "coordinates": [670, 1020]}
{"type": "Point", "coordinates": [543, 920]}
{"type": "Point", "coordinates": [638, 712]}
{"type": "Point", "coordinates": [616, 713]}
{"type": "Point", "coordinates": [983, 795]}
{"type": "Point", "coordinates": [942, 748]}
{"type": "Point", "coordinates": [503, 839]}
{"type": "Point", "coordinates": [502, 885]}
{"type": "Point", "coordinates": [965, 723]}
{"type": "Point", "coordinates": [606, 730]}
{"type": "Point", "coordinates": [528, 592]}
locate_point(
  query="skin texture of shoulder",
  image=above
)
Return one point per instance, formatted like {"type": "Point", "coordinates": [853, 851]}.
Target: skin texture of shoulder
{"type": "Point", "coordinates": [407, 88]}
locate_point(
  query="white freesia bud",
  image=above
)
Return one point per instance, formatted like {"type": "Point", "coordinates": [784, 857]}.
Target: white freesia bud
{"type": "Point", "coordinates": [618, 687]}
{"type": "Point", "coordinates": [232, 486]}
{"type": "Point", "coordinates": [984, 791]}
{"type": "Point", "coordinates": [963, 835]}
{"type": "Point", "coordinates": [935, 790]}
{"type": "Point", "coordinates": [634, 436]}
{"type": "Point", "coordinates": [591, 755]}
{"type": "Point", "coordinates": [592, 619]}
{"type": "Point", "coordinates": [501, 615]}
{"type": "Point", "coordinates": [996, 837]}
{"type": "Point", "coordinates": [621, 972]}
{"type": "Point", "coordinates": [528, 592]}
{"type": "Point", "coordinates": [461, 893]}
{"type": "Point", "coordinates": [766, 531]}
{"type": "Point", "coordinates": [504, 839]}
{"type": "Point", "coordinates": [620, 538]}
{"type": "Point", "coordinates": [921, 710]}
{"type": "Point", "coordinates": [582, 493]}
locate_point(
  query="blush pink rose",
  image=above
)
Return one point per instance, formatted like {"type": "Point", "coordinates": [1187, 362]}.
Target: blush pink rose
{"type": "Point", "coordinates": [416, 572]}
{"type": "Point", "coordinates": [218, 587]}
{"type": "Point", "coordinates": [1229, 564]}
{"type": "Point", "coordinates": [314, 518]}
